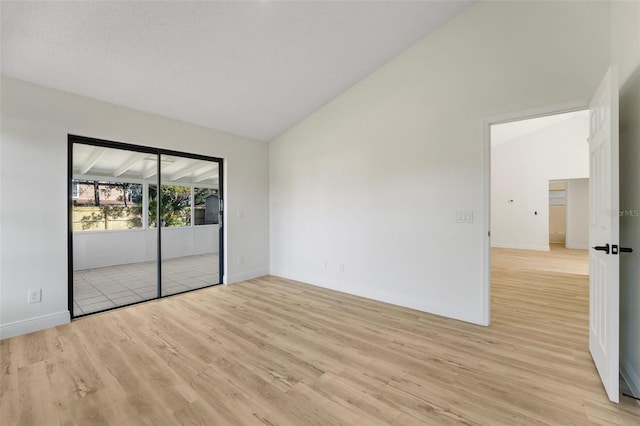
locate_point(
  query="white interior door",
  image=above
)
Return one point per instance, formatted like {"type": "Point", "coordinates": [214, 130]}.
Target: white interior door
{"type": "Point", "coordinates": [604, 288]}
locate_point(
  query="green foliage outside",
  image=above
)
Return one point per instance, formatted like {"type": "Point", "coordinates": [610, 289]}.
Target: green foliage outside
{"type": "Point", "coordinates": [175, 206]}
{"type": "Point", "coordinates": [96, 214]}
{"type": "Point", "coordinates": [106, 218]}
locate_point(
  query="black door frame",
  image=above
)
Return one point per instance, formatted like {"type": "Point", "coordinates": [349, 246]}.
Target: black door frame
{"type": "Point", "coordinates": [71, 139]}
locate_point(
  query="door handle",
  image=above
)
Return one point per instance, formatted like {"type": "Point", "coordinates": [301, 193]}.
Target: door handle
{"type": "Point", "coordinates": [615, 249]}
{"type": "Point", "coordinates": [604, 248]}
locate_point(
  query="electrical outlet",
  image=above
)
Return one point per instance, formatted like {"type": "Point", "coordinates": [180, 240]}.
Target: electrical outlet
{"type": "Point", "coordinates": [342, 267]}
{"type": "Point", "coordinates": [240, 260]}
{"type": "Point", "coordinates": [35, 295]}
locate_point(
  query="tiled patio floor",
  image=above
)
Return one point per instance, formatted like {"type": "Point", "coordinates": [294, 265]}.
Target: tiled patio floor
{"type": "Point", "coordinates": [103, 288]}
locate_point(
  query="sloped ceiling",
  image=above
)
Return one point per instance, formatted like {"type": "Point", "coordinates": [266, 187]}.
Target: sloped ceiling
{"type": "Point", "coordinates": [249, 68]}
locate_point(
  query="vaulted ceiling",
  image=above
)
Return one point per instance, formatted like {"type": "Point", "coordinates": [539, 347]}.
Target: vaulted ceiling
{"type": "Point", "coordinates": [249, 68]}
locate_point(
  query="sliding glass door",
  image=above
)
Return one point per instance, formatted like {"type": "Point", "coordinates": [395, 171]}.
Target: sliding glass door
{"type": "Point", "coordinates": [144, 223]}
{"type": "Point", "coordinates": [189, 214]}
{"type": "Point", "coordinates": [114, 253]}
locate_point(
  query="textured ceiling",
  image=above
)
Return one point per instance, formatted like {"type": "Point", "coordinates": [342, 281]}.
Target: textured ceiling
{"type": "Point", "coordinates": [249, 68]}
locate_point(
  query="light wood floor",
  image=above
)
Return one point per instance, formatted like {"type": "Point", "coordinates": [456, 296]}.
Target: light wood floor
{"type": "Point", "coordinates": [557, 259]}
{"type": "Point", "coordinates": [272, 351]}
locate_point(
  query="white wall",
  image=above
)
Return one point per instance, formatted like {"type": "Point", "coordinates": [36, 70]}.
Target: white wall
{"type": "Point", "coordinates": [625, 52]}
{"type": "Point", "coordinates": [577, 214]}
{"type": "Point", "coordinates": [374, 179]}
{"type": "Point", "coordinates": [521, 170]}
{"type": "Point", "coordinates": [96, 249]}
{"type": "Point", "coordinates": [33, 245]}
{"type": "Point", "coordinates": [189, 241]}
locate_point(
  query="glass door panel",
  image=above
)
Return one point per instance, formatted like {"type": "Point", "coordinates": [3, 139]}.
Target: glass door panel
{"type": "Point", "coordinates": [189, 215]}
{"type": "Point", "coordinates": [114, 251]}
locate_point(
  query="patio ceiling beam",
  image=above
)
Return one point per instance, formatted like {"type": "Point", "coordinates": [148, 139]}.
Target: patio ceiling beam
{"type": "Point", "coordinates": [186, 171]}
{"type": "Point", "coordinates": [204, 176]}
{"type": "Point", "coordinates": [128, 164]}
{"type": "Point", "coordinates": [92, 160]}
{"type": "Point", "coordinates": [151, 171]}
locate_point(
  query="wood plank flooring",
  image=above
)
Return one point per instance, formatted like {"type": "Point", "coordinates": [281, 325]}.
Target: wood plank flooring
{"type": "Point", "coordinates": [557, 259]}
{"type": "Point", "coordinates": [273, 351]}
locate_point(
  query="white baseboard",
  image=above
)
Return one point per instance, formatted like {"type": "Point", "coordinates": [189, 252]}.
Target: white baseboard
{"type": "Point", "coordinates": [18, 328]}
{"type": "Point", "coordinates": [392, 299]}
{"type": "Point", "coordinates": [631, 376]}
{"type": "Point", "coordinates": [244, 276]}
{"type": "Point", "coordinates": [519, 246]}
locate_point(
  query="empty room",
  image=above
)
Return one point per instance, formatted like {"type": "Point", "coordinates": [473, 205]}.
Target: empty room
{"type": "Point", "coordinates": [278, 212]}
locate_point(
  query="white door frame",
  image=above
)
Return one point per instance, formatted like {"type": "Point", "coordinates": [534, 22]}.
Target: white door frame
{"type": "Point", "coordinates": [566, 209]}
{"type": "Point", "coordinates": [488, 122]}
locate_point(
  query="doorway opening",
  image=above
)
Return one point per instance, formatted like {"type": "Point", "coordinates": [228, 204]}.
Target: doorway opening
{"type": "Point", "coordinates": [569, 213]}
{"type": "Point", "coordinates": [602, 287]}
{"type": "Point", "coordinates": [539, 184]}
{"type": "Point", "coordinates": [538, 257]}
{"type": "Point", "coordinates": [144, 223]}
{"type": "Point", "coordinates": [557, 213]}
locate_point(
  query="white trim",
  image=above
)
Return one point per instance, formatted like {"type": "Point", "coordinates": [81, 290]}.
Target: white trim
{"type": "Point", "coordinates": [568, 240]}
{"type": "Point", "coordinates": [568, 234]}
{"type": "Point", "coordinates": [116, 179]}
{"type": "Point", "coordinates": [244, 276]}
{"type": "Point", "coordinates": [223, 220]}
{"type": "Point", "coordinates": [128, 179]}
{"type": "Point", "coordinates": [631, 376]}
{"type": "Point", "coordinates": [488, 122]}
{"type": "Point", "coordinates": [570, 245]}
{"type": "Point", "coordinates": [110, 231]}
{"type": "Point", "coordinates": [139, 180]}
{"type": "Point", "coordinates": [190, 185]}
{"type": "Point", "coordinates": [30, 325]}
{"type": "Point", "coordinates": [192, 207]}
{"type": "Point", "coordinates": [396, 299]}
{"type": "Point", "coordinates": [486, 230]}
{"type": "Point", "coordinates": [538, 112]}
{"type": "Point", "coordinates": [145, 205]}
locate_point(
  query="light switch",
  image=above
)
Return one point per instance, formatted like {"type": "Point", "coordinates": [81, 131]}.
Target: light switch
{"type": "Point", "coordinates": [464, 216]}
